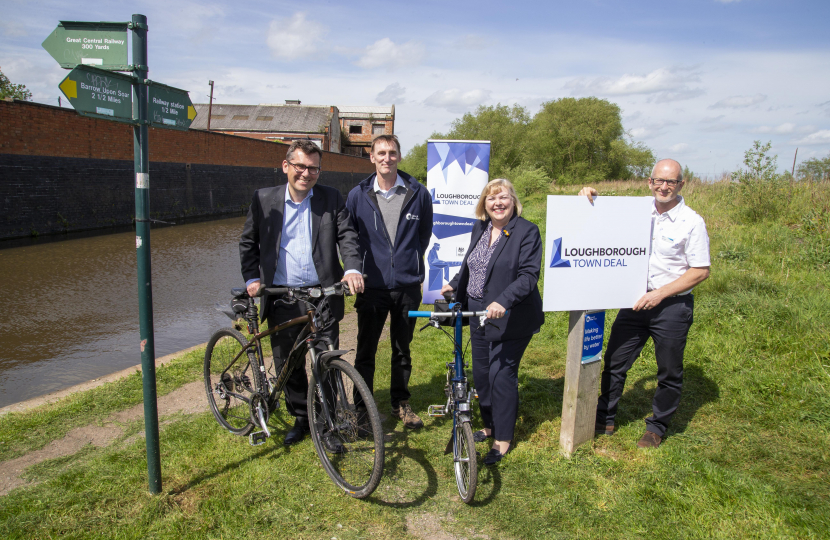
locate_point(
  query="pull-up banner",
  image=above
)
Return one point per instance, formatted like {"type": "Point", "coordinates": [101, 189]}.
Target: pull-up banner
{"type": "Point", "coordinates": [596, 256]}
{"type": "Point", "coordinates": [457, 171]}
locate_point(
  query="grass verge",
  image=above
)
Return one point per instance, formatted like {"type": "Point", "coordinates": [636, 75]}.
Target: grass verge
{"type": "Point", "coordinates": [747, 455]}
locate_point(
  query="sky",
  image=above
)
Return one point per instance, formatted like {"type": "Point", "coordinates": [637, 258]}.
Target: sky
{"type": "Point", "coordinates": [696, 80]}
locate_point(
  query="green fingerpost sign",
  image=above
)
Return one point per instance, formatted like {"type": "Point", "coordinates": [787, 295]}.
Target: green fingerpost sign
{"type": "Point", "coordinates": [100, 44]}
{"type": "Point", "coordinates": [170, 107]}
{"type": "Point", "coordinates": [100, 93]}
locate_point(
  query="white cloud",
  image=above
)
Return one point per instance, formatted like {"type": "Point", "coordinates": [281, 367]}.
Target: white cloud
{"type": "Point", "coordinates": [294, 38]}
{"type": "Point", "coordinates": [475, 42]}
{"type": "Point", "coordinates": [392, 93]}
{"type": "Point", "coordinates": [786, 127]}
{"type": "Point", "coordinates": [712, 119]}
{"type": "Point", "coordinates": [386, 53]}
{"type": "Point", "coordinates": [457, 101]}
{"type": "Point", "coordinates": [738, 102]}
{"type": "Point", "coordinates": [680, 147]}
{"type": "Point", "coordinates": [819, 137]}
{"type": "Point", "coordinates": [663, 85]}
{"type": "Point", "coordinates": [650, 130]}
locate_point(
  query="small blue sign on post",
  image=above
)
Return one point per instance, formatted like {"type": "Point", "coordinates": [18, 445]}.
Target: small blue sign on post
{"type": "Point", "coordinates": [593, 336]}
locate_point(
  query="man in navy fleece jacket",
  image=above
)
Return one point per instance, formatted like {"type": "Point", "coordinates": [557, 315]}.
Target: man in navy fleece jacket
{"type": "Point", "coordinates": [392, 214]}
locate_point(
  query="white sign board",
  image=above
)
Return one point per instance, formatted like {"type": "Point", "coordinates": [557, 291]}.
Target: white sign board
{"type": "Point", "coordinates": [596, 256]}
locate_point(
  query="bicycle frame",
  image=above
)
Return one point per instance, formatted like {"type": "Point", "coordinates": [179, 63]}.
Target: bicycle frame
{"type": "Point", "coordinates": [294, 358]}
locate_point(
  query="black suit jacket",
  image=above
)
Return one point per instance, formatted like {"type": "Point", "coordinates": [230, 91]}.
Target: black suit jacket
{"type": "Point", "coordinates": [511, 279]}
{"type": "Point", "coordinates": [330, 229]}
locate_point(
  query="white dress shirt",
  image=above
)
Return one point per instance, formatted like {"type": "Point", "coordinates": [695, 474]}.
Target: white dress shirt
{"type": "Point", "coordinates": [679, 241]}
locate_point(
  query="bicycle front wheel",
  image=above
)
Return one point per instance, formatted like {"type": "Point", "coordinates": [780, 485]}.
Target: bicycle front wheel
{"type": "Point", "coordinates": [464, 460]}
{"type": "Point", "coordinates": [231, 380]}
{"type": "Point", "coordinates": [351, 450]}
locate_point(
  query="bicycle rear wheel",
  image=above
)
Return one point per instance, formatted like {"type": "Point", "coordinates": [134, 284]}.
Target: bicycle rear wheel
{"type": "Point", "coordinates": [231, 382]}
{"type": "Point", "coordinates": [351, 453]}
{"type": "Point", "coordinates": [464, 460]}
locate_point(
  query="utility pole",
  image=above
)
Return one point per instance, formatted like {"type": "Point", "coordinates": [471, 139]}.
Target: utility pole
{"type": "Point", "coordinates": [794, 157]}
{"type": "Point", "coordinates": [210, 105]}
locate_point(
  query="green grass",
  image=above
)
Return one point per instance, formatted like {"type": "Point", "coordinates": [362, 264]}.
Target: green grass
{"type": "Point", "coordinates": [747, 455]}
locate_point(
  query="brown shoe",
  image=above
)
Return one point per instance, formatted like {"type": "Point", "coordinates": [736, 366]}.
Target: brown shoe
{"type": "Point", "coordinates": [410, 419]}
{"type": "Point", "coordinates": [603, 429]}
{"type": "Point", "coordinates": [650, 440]}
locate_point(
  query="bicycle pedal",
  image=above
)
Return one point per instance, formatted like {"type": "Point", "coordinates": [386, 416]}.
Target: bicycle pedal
{"type": "Point", "coordinates": [255, 439]}
{"type": "Point", "coordinates": [436, 410]}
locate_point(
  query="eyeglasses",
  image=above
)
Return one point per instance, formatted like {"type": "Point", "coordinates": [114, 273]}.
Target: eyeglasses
{"type": "Point", "coordinates": [300, 168]}
{"type": "Point", "coordinates": [660, 182]}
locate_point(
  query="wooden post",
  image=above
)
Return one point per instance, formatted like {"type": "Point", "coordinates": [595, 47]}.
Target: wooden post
{"type": "Point", "coordinates": [579, 402]}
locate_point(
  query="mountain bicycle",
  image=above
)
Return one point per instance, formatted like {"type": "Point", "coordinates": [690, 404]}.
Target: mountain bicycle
{"type": "Point", "coordinates": [243, 387]}
{"type": "Point", "coordinates": [459, 398]}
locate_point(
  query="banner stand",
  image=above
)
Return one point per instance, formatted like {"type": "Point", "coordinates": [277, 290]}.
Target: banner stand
{"type": "Point", "coordinates": [579, 400]}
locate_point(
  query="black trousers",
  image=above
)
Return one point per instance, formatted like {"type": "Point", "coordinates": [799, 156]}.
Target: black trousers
{"type": "Point", "coordinates": [496, 373]}
{"type": "Point", "coordinates": [373, 306]}
{"type": "Point", "coordinates": [668, 325]}
{"type": "Point", "coordinates": [296, 388]}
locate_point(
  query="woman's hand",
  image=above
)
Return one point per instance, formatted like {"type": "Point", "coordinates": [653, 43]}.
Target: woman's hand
{"type": "Point", "coordinates": [446, 289]}
{"type": "Point", "coordinates": [495, 311]}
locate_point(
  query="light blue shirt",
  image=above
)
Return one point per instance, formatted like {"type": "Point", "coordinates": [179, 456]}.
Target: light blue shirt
{"type": "Point", "coordinates": [295, 266]}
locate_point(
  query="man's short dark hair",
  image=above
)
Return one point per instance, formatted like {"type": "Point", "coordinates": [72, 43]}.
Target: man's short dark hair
{"type": "Point", "coordinates": [306, 146]}
{"type": "Point", "coordinates": [389, 139]}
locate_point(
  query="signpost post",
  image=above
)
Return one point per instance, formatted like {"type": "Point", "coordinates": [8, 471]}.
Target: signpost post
{"type": "Point", "coordinates": [94, 51]}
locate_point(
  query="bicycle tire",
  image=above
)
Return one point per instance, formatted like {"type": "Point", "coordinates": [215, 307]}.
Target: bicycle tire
{"type": "Point", "coordinates": [464, 461]}
{"type": "Point", "coordinates": [240, 381]}
{"type": "Point", "coordinates": [358, 468]}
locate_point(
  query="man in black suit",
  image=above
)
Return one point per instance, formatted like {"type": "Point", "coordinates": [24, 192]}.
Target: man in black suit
{"type": "Point", "coordinates": [291, 239]}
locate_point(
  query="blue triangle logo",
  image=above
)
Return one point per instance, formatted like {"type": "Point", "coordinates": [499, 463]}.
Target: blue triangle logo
{"type": "Point", "coordinates": [557, 261]}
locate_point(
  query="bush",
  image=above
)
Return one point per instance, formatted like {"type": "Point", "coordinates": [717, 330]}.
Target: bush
{"type": "Point", "coordinates": [528, 179]}
{"type": "Point", "coordinates": [763, 193]}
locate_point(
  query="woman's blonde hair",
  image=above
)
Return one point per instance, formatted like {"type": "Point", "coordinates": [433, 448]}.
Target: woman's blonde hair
{"type": "Point", "coordinates": [496, 186]}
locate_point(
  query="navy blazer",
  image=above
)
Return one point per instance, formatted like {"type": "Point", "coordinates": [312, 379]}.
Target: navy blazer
{"type": "Point", "coordinates": [511, 280]}
{"type": "Point", "coordinates": [330, 229]}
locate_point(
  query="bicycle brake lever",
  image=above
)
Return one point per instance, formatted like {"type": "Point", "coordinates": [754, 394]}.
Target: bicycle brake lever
{"type": "Point", "coordinates": [424, 327]}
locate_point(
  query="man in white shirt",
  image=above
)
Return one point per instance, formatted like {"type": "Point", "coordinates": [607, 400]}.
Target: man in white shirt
{"type": "Point", "coordinates": [678, 261]}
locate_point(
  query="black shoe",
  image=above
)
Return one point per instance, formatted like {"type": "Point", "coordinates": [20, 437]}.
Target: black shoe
{"type": "Point", "coordinates": [298, 432]}
{"type": "Point", "coordinates": [479, 436]}
{"type": "Point", "coordinates": [494, 456]}
{"type": "Point", "coordinates": [332, 445]}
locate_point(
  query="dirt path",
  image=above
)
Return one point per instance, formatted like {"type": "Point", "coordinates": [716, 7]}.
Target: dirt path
{"type": "Point", "coordinates": [188, 399]}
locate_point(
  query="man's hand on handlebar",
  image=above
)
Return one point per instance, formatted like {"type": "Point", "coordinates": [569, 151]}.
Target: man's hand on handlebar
{"type": "Point", "coordinates": [253, 289]}
{"type": "Point", "coordinates": [354, 281]}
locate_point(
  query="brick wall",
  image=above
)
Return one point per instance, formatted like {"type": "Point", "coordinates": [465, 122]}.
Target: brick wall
{"type": "Point", "coordinates": [61, 172]}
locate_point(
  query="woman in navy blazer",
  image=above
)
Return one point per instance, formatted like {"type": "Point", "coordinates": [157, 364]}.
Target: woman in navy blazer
{"type": "Point", "coordinates": [499, 274]}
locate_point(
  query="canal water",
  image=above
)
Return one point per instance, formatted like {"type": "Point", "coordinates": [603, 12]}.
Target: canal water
{"type": "Point", "coordinates": [70, 308]}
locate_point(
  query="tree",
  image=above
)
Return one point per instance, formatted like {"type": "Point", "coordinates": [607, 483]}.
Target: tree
{"type": "Point", "coordinates": [9, 90]}
{"type": "Point", "coordinates": [814, 168]}
{"type": "Point", "coordinates": [506, 129]}
{"type": "Point", "coordinates": [579, 141]}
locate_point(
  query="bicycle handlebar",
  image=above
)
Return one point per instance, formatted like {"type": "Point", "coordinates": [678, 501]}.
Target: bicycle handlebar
{"type": "Point", "coordinates": [441, 314]}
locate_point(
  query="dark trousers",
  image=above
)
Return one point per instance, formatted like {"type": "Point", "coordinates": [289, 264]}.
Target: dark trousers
{"type": "Point", "coordinates": [668, 325]}
{"type": "Point", "coordinates": [496, 373]}
{"type": "Point", "coordinates": [296, 388]}
{"type": "Point", "coordinates": [373, 306]}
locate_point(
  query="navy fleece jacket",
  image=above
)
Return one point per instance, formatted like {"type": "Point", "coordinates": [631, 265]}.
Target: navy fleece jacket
{"type": "Point", "coordinates": [389, 266]}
